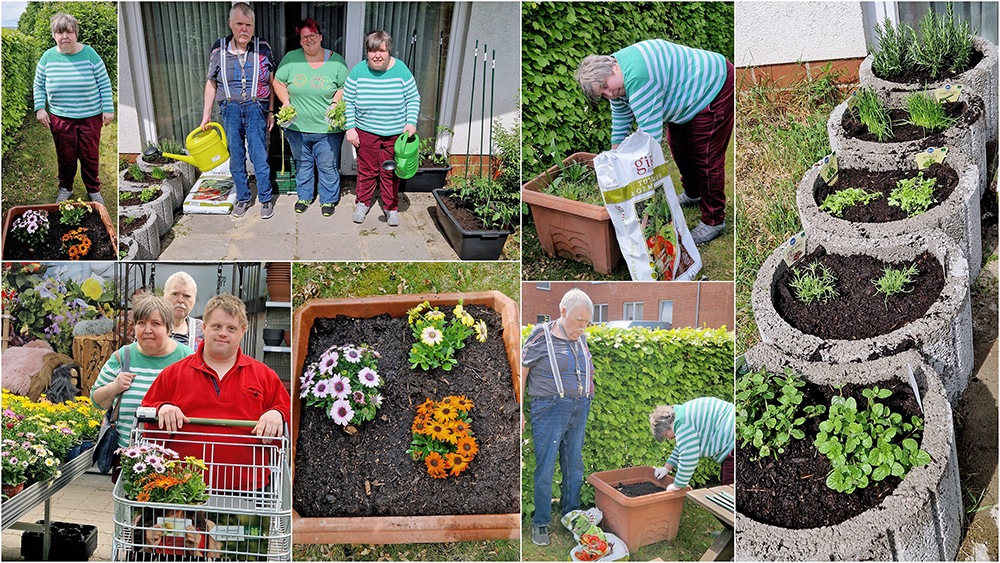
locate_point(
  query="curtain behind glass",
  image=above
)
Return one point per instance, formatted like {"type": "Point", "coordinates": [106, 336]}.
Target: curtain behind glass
{"type": "Point", "coordinates": [426, 57]}
{"type": "Point", "coordinates": [980, 15]}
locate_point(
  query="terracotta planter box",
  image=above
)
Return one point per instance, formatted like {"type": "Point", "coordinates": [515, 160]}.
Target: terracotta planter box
{"type": "Point", "coordinates": [638, 521]}
{"type": "Point", "coordinates": [401, 529]}
{"type": "Point", "coordinates": [567, 228]}
{"type": "Point", "coordinates": [18, 210]}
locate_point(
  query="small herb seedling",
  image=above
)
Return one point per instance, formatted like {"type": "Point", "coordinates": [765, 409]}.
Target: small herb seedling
{"type": "Point", "coordinates": [837, 202]}
{"type": "Point", "coordinates": [136, 173]}
{"type": "Point", "coordinates": [147, 195]}
{"type": "Point", "coordinates": [914, 195]}
{"type": "Point", "coordinates": [927, 113]}
{"type": "Point", "coordinates": [893, 281]}
{"type": "Point", "coordinates": [873, 114]}
{"type": "Point", "coordinates": [130, 220]}
{"type": "Point", "coordinates": [811, 285]}
{"type": "Point", "coordinates": [159, 174]}
{"type": "Point", "coordinates": [768, 411]}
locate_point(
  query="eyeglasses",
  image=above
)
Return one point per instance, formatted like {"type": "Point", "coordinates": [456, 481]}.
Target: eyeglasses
{"type": "Point", "coordinates": [308, 38]}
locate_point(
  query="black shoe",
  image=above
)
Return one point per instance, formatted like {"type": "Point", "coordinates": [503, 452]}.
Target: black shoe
{"type": "Point", "coordinates": [301, 205]}
{"type": "Point", "coordinates": [328, 209]}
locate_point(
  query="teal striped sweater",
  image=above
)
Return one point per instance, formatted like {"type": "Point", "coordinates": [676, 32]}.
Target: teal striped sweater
{"type": "Point", "coordinates": [664, 82]}
{"type": "Point", "coordinates": [145, 368]}
{"type": "Point", "coordinates": [704, 427]}
{"type": "Point", "coordinates": [381, 103]}
{"type": "Point", "coordinates": [75, 86]}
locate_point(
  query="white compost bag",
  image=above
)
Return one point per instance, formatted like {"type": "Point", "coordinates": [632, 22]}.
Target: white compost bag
{"type": "Point", "coordinates": [212, 194]}
{"type": "Point", "coordinates": [640, 198]}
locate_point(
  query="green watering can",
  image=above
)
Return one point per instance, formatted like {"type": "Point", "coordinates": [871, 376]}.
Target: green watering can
{"type": "Point", "coordinates": [407, 157]}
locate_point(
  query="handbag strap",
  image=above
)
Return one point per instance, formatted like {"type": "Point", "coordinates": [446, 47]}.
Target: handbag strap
{"type": "Point", "coordinates": [124, 365]}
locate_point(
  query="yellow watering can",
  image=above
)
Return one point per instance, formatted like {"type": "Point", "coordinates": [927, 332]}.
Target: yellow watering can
{"type": "Point", "coordinates": [208, 148]}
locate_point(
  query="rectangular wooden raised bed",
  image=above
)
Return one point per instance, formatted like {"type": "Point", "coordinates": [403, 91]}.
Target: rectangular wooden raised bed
{"type": "Point", "coordinates": [401, 529]}
{"type": "Point", "coordinates": [19, 210]}
{"type": "Point", "coordinates": [641, 520]}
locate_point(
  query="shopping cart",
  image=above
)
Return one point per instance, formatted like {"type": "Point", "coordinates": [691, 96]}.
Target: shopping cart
{"type": "Point", "coordinates": [248, 513]}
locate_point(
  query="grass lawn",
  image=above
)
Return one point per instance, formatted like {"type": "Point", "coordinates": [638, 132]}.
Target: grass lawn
{"type": "Point", "coordinates": [716, 256]}
{"type": "Point", "coordinates": [30, 172]}
{"type": "Point", "coordinates": [694, 537]}
{"type": "Point", "coordinates": [498, 550]}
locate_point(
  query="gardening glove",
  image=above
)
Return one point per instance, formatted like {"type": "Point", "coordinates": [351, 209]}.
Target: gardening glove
{"type": "Point", "coordinates": [662, 472]}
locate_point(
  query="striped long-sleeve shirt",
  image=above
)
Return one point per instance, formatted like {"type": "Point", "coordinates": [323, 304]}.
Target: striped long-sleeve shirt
{"type": "Point", "coordinates": [381, 102]}
{"type": "Point", "coordinates": [663, 82]}
{"type": "Point", "coordinates": [75, 86]}
{"type": "Point", "coordinates": [145, 368]}
{"type": "Point", "coordinates": [704, 427]}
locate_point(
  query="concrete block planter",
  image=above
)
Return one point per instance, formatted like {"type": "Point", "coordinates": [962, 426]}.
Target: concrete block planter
{"type": "Point", "coordinates": [162, 208]}
{"type": "Point", "coordinates": [969, 138]}
{"type": "Point", "coordinates": [146, 237]}
{"type": "Point", "coordinates": [185, 172]}
{"type": "Point", "coordinates": [638, 521]}
{"type": "Point", "coordinates": [400, 529]}
{"type": "Point", "coordinates": [571, 229]}
{"type": "Point", "coordinates": [980, 80]}
{"type": "Point", "coordinates": [958, 216]}
{"type": "Point", "coordinates": [130, 247]}
{"type": "Point", "coordinates": [943, 336]}
{"type": "Point", "coordinates": [920, 521]}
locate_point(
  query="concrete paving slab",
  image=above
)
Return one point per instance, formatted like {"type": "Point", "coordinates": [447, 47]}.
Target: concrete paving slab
{"type": "Point", "coordinates": [390, 246]}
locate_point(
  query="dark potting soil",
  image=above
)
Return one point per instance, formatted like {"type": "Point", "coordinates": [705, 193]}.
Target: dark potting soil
{"type": "Point", "coordinates": [903, 131]}
{"type": "Point", "coordinates": [638, 489]}
{"type": "Point", "coordinates": [51, 249]}
{"type": "Point", "coordinates": [878, 210]}
{"type": "Point", "coordinates": [127, 228]}
{"type": "Point", "coordinates": [463, 215]}
{"type": "Point", "coordinates": [923, 77]}
{"type": "Point", "coordinates": [790, 491]}
{"type": "Point", "coordinates": [859, 311]}
{"type": "Point", "coordinates": [131, 199]}
{"type": "Point", "coordinates": [369, 473]}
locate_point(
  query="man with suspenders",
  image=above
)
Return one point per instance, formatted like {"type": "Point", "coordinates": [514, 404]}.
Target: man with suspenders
{"type": "Point", "coordinates": [240, 71]}
{"type": "Point", "coordinates": [560, 381]}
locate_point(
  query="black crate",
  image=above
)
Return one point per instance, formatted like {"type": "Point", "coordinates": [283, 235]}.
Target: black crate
{"type": "Point", "coordinates": [70, 542]}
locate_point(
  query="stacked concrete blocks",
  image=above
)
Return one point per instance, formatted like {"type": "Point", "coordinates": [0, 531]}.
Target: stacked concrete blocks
{"type": "Point", "coordinates": [146, 237]}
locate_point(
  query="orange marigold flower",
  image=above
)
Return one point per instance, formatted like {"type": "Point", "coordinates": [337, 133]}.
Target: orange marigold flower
{"type": "Point", "coordinates": [467, 447]}
{"type": "Point", "coordinates": [463, 404]}
{"type": "Point", "coordinates": [451, 436]}
{"type": "Point", "coordinates": [450, 401]}
{"type": "Point", "coordinates": [445, 412]}
{"type": "Point", "coordinates": [419, 426]}
{"type": "Point", "coordinates": [462, 427]}
{"type": "Point", "coordinates": [435, 465]}
{"type": "Point", "coordinates": [457, 462]}
{"type": "Point", "coordinates": [427, 407]}
{"type": "Point", "coordinates": [437, 431]}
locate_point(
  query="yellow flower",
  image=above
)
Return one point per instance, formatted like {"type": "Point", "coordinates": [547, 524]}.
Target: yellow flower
{"type": "Point", "coordinates": [467, 319]}
{"type": "Point", "coordinates": [431, 336]}
{"type": "Point", "coordinates": [92, 288]}
{"type": "Point", "coordinates": [459, 311]}
{"type": "Point", "coordinates": [481, 331]}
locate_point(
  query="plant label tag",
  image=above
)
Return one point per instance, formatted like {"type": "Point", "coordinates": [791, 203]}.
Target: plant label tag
{"type": "Point", "coordinates": [949, 93]}
{"type": "Point", "coordinates": [828, 168]}
{"type": "Point", "coordinates": [930, 156]}
{"type": "Point", "coordinates": [227, 533]}
{"type": "Point", "coordinates": [913, 384]}
{"type": "Point", "coordinates": [796, 249]}
{"type": "Point", "coordinates": [173, 526]}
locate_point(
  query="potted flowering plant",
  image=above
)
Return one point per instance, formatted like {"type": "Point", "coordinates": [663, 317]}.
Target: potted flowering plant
{"type": "Point", "coordinates": [345, 384]}
{"type": "Point", "coordinates": [36, 231]}
{"type": "Point", "coordinates": [16, 460]}
{"type": "Point", "coordinates": [153, 473]}
{"type": "Point", "coordinates": [442, 436]}
{"type": "Point", "coordinates": [437, 340]}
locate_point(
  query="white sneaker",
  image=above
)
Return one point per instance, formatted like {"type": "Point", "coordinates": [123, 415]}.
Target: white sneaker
{"type": "Point", "coordinates": [360, 211]}
{"type": "Point", "coordinates": [392, 217]}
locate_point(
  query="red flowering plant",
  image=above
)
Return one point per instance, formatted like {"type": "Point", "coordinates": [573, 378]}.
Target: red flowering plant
{"type": "Point", "coordinates": [442, 436]}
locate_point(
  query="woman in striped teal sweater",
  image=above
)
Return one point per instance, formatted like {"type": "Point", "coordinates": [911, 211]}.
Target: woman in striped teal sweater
{"type": "Point", "coordinates": [72, 79]}
{"type": "Point", "coordinates": [704, 427]}
{"type": "Point", "coordinates": [381, 103]}
{"type": "Point", "coordinates": [656, 81]}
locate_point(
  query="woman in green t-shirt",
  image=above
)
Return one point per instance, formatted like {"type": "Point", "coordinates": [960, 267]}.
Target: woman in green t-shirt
{"type": "Point", "coordinates": [311, 80]}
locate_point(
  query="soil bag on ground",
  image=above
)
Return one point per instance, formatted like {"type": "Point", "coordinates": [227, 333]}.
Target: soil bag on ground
{"type": "Point", "coordinates": [579, 521]}
{"type": "Point", "coordinates": [211, 194]}
{"type": "Point", "coordinates": [648, 220]}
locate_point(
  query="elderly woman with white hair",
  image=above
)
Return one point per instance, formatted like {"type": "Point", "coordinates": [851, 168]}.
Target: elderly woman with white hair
{"type": "Point", "coordinates": [692, 90]}
{"type": "Point", "coordinates": [181, 292]}
{"type": "Point", "coordinates": [560, 382]}
{"type": "Point", "coordinates": [704, 427]}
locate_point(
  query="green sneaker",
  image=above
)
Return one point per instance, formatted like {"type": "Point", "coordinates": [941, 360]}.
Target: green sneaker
{"type": "Point", "coordinates": [301, 205]}
{"type": "Point", "coordinates": [328, 209]}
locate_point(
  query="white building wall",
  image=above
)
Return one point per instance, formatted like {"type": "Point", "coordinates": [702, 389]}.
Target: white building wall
{"type": "Point", "coordinates": [128, 119]}
{"type": "Point", "coordinates": [788, 32]}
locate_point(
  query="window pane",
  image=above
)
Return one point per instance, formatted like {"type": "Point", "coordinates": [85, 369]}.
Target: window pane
{"type": "Point", "coordinates": [545, 286]}
{"type": "Point", "coordinates": [601, 313]}
{"type": "Point", "coordinates": [638, 312]}
{"type": "Point", "coordinates": [542, 319]}
{"type": "Point", "coordinates": [666, 311]}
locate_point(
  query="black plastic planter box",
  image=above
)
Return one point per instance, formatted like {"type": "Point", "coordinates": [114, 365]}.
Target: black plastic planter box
{"type": "Point", "coordinates": [470, 245]}
{"type": "Point", "coordinates": [425, 180]}
{"type": "Point", "coordinates": [70, 542]}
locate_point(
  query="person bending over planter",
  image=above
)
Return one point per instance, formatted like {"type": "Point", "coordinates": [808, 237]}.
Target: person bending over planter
{"type": "Point", "coordinates": [692, 90]}
{"type": "Point", "coordinates": [151, 353]}
{"type": "Point", "coordinates": [310, 79]}
{"type": "Point", "coordinates": [382, 103]}
{"type": "Point", "coordinates": [73, 80]}
{"type": "Point", "coordinates": [181, 292]}
{"type": "Point", "coordinates": [704, 427]}
{"type": "Point", "coordinates": [560, 383]}
{"type": "Point", "coordinates": [219, 381]}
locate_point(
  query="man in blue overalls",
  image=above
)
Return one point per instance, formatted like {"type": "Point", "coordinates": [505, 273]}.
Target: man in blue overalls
{"type": "Point", "coordinates": [240, 70]}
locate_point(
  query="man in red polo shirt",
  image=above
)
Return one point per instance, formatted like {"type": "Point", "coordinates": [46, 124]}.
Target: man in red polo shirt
{"type": "Point", "coordinates": [219, 381]}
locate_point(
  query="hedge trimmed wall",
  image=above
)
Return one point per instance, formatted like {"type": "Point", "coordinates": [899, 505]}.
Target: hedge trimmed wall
{"type": "Point", "coordinates": [556, 36]}
{"type": "Point", "coordinates": [18, 66]}
{"type": "Point", "coordinates": [636, 370]}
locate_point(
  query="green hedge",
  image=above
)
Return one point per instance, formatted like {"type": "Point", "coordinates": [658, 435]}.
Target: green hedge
{"type": "Point", "coordinates": [18, 52]}
{"type": "Point", "coordinates": [98, 29]}
{"type": "Point", "coordinates": [635, 370]}
{"type": "Point", "coordinates": [556, 36]}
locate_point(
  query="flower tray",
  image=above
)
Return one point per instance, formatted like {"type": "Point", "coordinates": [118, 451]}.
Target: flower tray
{"type": "Point", "coordinates": [18, 210]}
{"type": "Point", "coordinates": [638, 521]}
{"type": "Point", "coordinates": [400, 529]}
{"type": "Point", "coordinates": [425, 180]}
{"type": "Point", "coordinates": [70, 542]}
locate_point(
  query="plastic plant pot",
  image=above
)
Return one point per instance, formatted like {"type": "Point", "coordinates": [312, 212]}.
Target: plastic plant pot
{"type": "Point", "coordinates": [425, 180]}
{"type": "Point", "coordinates": [469, 245]}
{"type": "Point", "coordinates": [638, 521]}
{"type": "Point", "coordinates": [401, 529]}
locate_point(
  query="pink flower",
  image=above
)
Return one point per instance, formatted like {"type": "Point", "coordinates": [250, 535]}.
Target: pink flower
{"type": "Point", "coordinates": [341, 412]}
{"type": "Point", "coordinates": [340, 387]}
{"type": "Point", "coordinates": [369, 377]}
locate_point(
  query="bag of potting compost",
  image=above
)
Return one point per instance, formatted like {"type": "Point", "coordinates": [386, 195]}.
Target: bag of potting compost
{"type": "Point", "coordinates": [649, 223]}
{"type": "Point", "coordinates": [212, 194]}
{"type": "Point", "coordinates": [579, 521]}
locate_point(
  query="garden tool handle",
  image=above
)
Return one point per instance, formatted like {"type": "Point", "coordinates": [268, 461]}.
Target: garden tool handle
{"type": "Point", "coordinates": [213, 125]}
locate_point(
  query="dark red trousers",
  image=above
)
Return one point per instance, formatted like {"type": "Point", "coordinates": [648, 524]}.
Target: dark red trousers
{"type": "Point", "coordinates": [727, 469]}
{"type": "Point", "coordinates": [699, 149]}
{"type": "Point", "coordinates": [372, 152]}
{"type": "Point", "coordinates": [77, 139]}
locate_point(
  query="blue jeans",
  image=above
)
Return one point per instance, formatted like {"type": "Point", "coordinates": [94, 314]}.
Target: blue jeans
{"type": "Point", "coordinates": [316, 154]}
{"type": "Point", "coordinates": [247, 122]}
{"type": "Point", "coordinates": [557, 428]}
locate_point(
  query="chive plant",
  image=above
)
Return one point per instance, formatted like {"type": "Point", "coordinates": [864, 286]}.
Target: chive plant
{"type": "Point", "coordinates": [812, 285]}
{"type": "Point", "coordinates": [873, 114]}
{"type": "Point", "coordinates": [927, 113]}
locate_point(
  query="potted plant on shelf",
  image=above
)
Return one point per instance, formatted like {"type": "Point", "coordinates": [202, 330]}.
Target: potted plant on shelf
{"type": "Point", "coordinates": [434, 165]}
